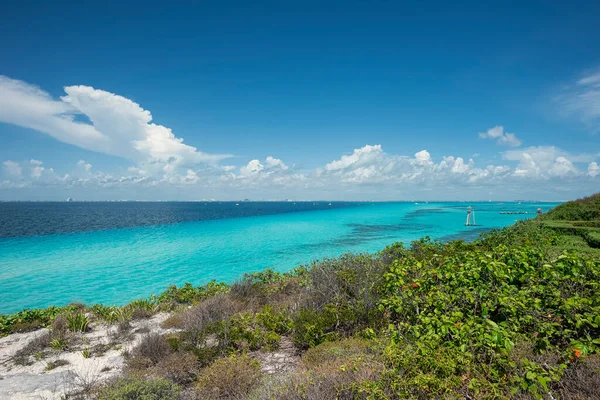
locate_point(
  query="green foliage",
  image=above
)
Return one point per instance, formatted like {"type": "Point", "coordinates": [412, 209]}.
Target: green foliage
{"type": "Point", "coordinates": [86, 353]}
{"type": "Point", "coordinates": [142, 308]}
{"type": "Point", "coordinates": [593, 239]}
{"type": "Point", "coordinates": [478, 303]}
{"type": "Point", "coordinates": [59, 344]}
{"type": "Point", "coordinates": [253, 331]}
{"type": "Point", "coordinates": [139, 389]}
{"type": "Point", "coordinates": [28, 320]}
{"type": "Point", "coordinates": [77, 322]}
{"type": "Point", "coordinates": [188, 294]}
{"type": "Point", "coordinates": [107, 314]}
{"type": "Point", "coordinates": [586, 209]}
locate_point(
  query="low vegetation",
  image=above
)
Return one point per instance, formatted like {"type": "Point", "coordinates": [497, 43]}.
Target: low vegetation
{"type": "Point", "coordinates": [515, 314]}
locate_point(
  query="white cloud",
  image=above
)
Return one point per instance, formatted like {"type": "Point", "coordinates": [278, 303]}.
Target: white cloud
{"type": "Point", "coordinates": [582, 100]}
{"type": "Point", "coordinates": [12, 168]}
{"type": "Point", "coordinates": [544, 161]}
{"type": "Point", "coordinates": [593, 169]}
{"type": "Point", "coordinates": [253, 168]}
{"type": "Point", "coordinates": [563, 167]}
{"type": "Point", "coordinates": [423, 157]}
{"type": "Point", "coordinates": [502, 138]}
{"type": "Point", "coordinates": [118, 126]}
{"type": "Point", "coordinates": [275, 163]}
{"type": "Point", "coordinates": [368, 172]}
{"type": "Point", "coordinates": [359, 157]}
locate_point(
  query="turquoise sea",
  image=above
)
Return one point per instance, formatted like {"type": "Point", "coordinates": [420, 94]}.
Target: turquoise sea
{"type": "Point", "coordinates": [76, 255]}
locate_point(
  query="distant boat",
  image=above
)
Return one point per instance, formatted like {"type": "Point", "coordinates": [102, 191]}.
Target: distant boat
{"type": "Point", "coordinates": [329, 203]}
{"type": "Point", "coordinates": [237, 204]}
{"type": "Point", "coordinates": [416, 203]}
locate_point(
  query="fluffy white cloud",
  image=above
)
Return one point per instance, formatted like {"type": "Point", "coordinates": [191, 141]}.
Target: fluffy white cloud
{"type": "Point", "coordinates": [118, 125]}
{"type": "Point", "coordinates": [423, 157]}
{"type": "Point", "coordinates": [497, 133]}
{"type": "Point", "coordinates": [544, 161]}
{"type": "Point", "coordinates": [253, 168]}
{"type": "Point", "coordinates": [368, 172]}
{"type": "Point", "coordinates": [358, 158]}
{"type": "Point", "coordinates": [271, 162]}
{"type": "Point", "coordinates": [593, 169]}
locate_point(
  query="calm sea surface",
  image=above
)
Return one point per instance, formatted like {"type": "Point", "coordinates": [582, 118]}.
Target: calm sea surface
{"type": "Point", "coordinates": [112, 253]}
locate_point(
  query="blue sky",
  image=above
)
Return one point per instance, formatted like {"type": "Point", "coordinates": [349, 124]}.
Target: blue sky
{"type": "Point", "coordinates": [304, 100]}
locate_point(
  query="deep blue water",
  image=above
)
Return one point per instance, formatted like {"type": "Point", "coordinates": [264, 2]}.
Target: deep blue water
{"type": "Point", "coordinates": [33, 218]}
{"type": "Point", "coordinates": [112, 253]}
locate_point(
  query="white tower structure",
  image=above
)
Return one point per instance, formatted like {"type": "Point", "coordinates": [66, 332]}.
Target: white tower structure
{"type": "Point", "coordinates": [470, 217]}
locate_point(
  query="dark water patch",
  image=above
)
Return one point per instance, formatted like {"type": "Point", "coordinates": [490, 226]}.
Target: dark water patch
{"type": "Point", "coordinates": [361, 234]}
{"type": "Point", "coordinates": [364, 229]}
{"type": "Point", "coordinates": [336, 244]}
{"type": "Point", "coordinates": [425, 212]}
{"type": "Point", "coordinates": [44, 218]}
{"type": "Point", "coordinates": [468, 235]}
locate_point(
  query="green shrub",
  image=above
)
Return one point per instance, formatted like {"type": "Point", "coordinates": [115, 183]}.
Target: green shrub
{"type": "Point", "coordinates": [593, 239]}
{"type": "Point", "coordinates": [339, 351]}
{"type": "Point", "coordinates": [188, 294]}
{"type": "Point", "coordinates": [330, 371]}
{"type": "Point", "coordinates": [77, 322]}
{"type": "Point", "coordinates": [586, 209]}
{"type": "Point", "coordinates": [30, 320]}
{"type": "Point", "coordinates": [142, 308]}
{"type": "Point", "coordinates": [107, 314]}
{"type": "Point", "coordinates": [229, 378]}
{"type": "Point", "coordinates": [139, 389]}
{"type": "Point", "coordinates": [59, 343]}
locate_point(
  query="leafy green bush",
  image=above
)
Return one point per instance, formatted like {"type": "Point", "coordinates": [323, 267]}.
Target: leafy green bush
{"type": "Point", "coordinates": [30, 320]}
{"type": "Point", "coordinates": [142, 308]}
{"type": "Point", "coordinates": [479, 304]}
{"type": "Point", "coordinates": [593, 239]}
{"type": "Point", "coordinates": [77, 322]}
{"type": "Point", "coordinates": [188, 294]}
{"type": "Point", "coordinates": [586, 209]}
{"type": "Point", "coordinates": [139, 389]}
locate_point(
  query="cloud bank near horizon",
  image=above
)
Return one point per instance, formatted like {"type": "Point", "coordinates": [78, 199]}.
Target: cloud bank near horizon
{"type": "Point", "coordinates": [160, 160]}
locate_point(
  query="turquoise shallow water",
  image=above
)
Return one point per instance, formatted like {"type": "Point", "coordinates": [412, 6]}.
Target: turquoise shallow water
{"type": "Point", "coordinates": [118, 265]}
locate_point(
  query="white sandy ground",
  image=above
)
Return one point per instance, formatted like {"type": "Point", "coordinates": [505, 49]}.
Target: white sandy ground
{"type": "Point", "coordinates": [35, 382]}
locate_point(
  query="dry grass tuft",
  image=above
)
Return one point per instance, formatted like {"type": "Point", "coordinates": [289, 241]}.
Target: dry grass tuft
{"type": "Point", "coordinates": [228, 378]}
{"type": "Point", "coordinates": [35, 346]}
{"type": "Point", "coordinates": [152, 349]}
{"type": "Point", "coordinates": [181, 368]}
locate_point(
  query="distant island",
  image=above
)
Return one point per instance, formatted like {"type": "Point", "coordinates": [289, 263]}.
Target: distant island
{"type": "Point", "coordinates": [514, 314]}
